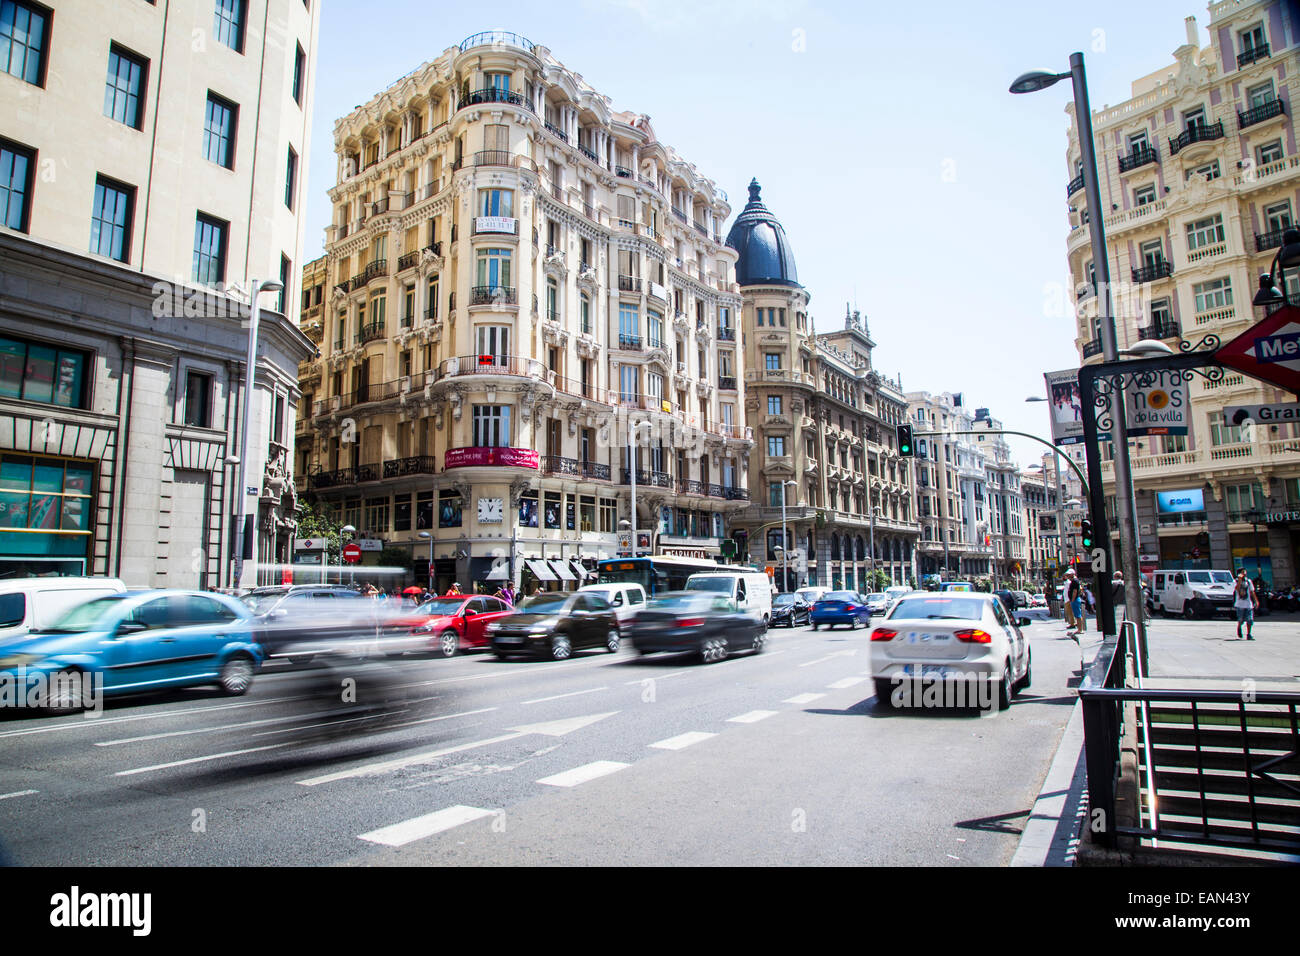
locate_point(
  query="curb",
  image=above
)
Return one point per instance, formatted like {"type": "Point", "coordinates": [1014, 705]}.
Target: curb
{"type": "Point", "coordinates": [1051, 834]}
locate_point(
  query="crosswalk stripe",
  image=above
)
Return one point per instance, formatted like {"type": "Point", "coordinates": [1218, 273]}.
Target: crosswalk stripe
{"type": "Point", "coordinates": [681, 741]}
{"type": "Point", "coordinates": [571, 778]}
{"type": "Point", "coordinates": [417, 828]}
{"type": "Point", "coordinates": [752, 717]}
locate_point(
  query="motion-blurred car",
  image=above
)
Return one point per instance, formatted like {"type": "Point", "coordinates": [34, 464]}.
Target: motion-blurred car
{"type": "Point", "coordinates": [841, 607]}
{"type": "Point", "coordinates": [878, 602]}
{"type": "Point", "coordinates": [1022, 599]}
{"type": "Point", "coordinates": [950, 637]}
{"type": "Point", "coordinates": [28, 604]}
{"type": "Point", "coordinates": [137, 641]}
{"type": "Point", "coordinates": [700, 622]}
{"type": "Point", "coordinates": [446, 625]}
{"type": "Point", "coordinates": [556, 623]}
{"type": "Point", "coordinates": [789, 610]}
{"type": "Point", "coordinates": [301, 621]}
{"type": "Point", "coordinates": [626, 599]}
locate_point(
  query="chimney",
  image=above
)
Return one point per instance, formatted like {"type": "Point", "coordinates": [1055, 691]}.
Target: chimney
{"type": "Point", "coordinates": [1193, 37]}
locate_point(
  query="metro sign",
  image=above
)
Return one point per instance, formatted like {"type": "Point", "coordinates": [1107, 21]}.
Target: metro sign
{"type": "Point", "coordinates": [1268, 350]}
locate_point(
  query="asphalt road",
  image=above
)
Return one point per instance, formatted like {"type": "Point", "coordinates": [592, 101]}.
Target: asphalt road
{"type": "Point", "coordinates": [778, 758]}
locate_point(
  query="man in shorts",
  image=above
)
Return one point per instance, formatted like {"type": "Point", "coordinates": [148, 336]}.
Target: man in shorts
{"type": "Point", "coordinates": [1244, 601]}
{"type": "Point", "coordinates": [1065, 591]}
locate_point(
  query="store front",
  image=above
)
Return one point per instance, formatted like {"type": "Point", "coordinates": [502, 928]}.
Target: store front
{"type": "Point", "coordinates": [46, 515]}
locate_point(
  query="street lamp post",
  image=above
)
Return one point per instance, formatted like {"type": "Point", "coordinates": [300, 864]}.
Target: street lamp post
{"type": "Point", "coordinates": [428, 573]}
{"type": "Point", "coordinates": [1124, 502]}
{"type": "Point", "coordinates": [245, 522]}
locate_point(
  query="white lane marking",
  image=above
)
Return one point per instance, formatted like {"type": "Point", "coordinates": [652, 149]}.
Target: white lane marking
{"type": "Point", "coordinates": [658, 677]}
{"type": "Point", "coordinates": [182, 763]}
{"type": "Point", "coordinates": [752, 717]}
{"type": "Point", "coordinates": [506, 670]}
{"type": "Point", "coordinates": [576, 693]}
{"type": "Point", "coordinates": [803, 698]}
{"type": "Point", "coordinates": [430, 720]}
{"type": "Point", "coordinates": [558, 728]}
{"type": "Point", "coordinates": [371, 769]}
{"type": "Point", "coordinates": [200, 730]}
{"type": "Point", "coordinates": [845, 682]}
{"type": "Point", "coordinates": [828, 657]}
{"type": "Point", "coordinates": [681, 741]}
{"type": "Point", "coordinates": [400, 834]}
{"type": "Point", "coordinates": [571, 778]}
{"type": "Point", "coordinates": [93, 723]}
{"type": "Point", "coordinates": [18, 793]}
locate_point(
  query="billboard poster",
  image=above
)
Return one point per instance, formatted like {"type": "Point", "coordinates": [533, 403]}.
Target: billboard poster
{"type": "Point", "coordinates": [1066, 407]}
{"type": "Point", "coordinates": [1157, 404]}
{"type": "Point", "coordinates": [1180, 502]}
{"type": "Point", "coordinates": [1047, 522]}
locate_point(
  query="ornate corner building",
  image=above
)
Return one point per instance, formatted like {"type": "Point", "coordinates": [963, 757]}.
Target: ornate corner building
{"type": "Point", "coordinates": [1199, 173]}
{"type": "Point", "coordinates": [125, 272]}
{"type": "Point", "coordinates": [516, 274]}
{"type": "Point", "coordinates": [824, 423]}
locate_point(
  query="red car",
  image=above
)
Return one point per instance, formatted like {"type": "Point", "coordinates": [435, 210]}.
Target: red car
{"type": "Point", "coordinates": [453, 623]}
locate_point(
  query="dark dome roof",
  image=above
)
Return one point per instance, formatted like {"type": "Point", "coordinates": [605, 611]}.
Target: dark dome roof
{"type": "Point", "coordinates": [765, 255]}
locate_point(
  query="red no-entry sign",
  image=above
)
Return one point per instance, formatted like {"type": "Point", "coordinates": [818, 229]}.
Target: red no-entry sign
{"type": "Point", "coordinates": [352, 553]}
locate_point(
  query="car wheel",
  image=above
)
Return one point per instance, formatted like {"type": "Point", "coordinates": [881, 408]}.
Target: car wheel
{"type": "Point", "coordinates": [1029, 670]}
{"type": "Point", "coordinates": [66, 694]}
{"type": "Point", "coordinates": [760, 639]}
{"type": "Point", "coordinates": [884, 694]}
{"type": "Point", "coordinates": [714, 649]}
{"type": "Point", "coordinates": [448, 643]}
{"type": "Point", "coordinates": [1187, 611]}
{"type": "Point", "coordinates": [1005, 687]}
{"type": "Point", "coordinates": [814, 627]}
{"type": "Point", "coordinates": [561, 649]}
{"type": "Point", "coordinates": [612, 641]}
{"type": "Point", "coordinates": [236, 675]}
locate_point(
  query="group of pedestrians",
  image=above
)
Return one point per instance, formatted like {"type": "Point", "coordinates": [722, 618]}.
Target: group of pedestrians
{"type": "Point", "coordinates": [1079, 603]}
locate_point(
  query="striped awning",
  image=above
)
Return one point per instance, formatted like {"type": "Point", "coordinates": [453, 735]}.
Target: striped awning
{"type": "Point", "coordinates": [562, 569]}
{"type": "Point", "coordinates": [581, 572]}
{"type": "Point", "coordinates": [541, 570]}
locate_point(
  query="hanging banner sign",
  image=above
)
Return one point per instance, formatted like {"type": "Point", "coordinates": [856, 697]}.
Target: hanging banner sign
{"type": "Point", "coordinates": [1067, 409]}
{"type": "Point", "coordinates": [1158, 407]}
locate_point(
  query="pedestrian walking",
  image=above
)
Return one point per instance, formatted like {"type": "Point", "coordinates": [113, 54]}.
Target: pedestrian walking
{"type": "Point", "coordinates": [1245, 601]}
{"type": "Point", "coordinates": [1075, 596]}
{"type": "Point", "coordinates": [454, 590]}
{"type": "Point", "coordinates": [1068, 606]}
{"type": "Point", "coordinates": [1117, 595]}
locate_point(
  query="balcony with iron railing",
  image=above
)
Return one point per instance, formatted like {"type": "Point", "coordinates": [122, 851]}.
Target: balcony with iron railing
{"type": "Point", "coordinates": [492, 157]}
{"type": "Point", "coordinates": [494, 95]}
{"type": "Point", "coordinates": [369, 332]}
{"type": "Point", "coordinates": [632, 343]}
{"type": "Point", "coordinates": [726, 334]}
{"type": "Point", "coordinates": [1271, 239]}
{"type": "Point", "coordinates": [655, 479]}
{"type": "Point", "coordinates": [343, 476]}
{"type": "Point", "coordinates": [493, 295]}
{"type": "Point", "coordinates": [1073, 186]}
{"type": "Point", "coordinates": [377, 268]}
{"type": "Point", "coordinates": [629, 283]}
{"type": "Point", "coordinates": [589, 153]}
{"type": "Point", "coordinates": [517, 366]}
{"type": "Point", "coordinates": [1160, 330]}
{"type": "Point", "coordinates": [1258, 114]}
{"type": "Point", "coordinates": [557, 132]}
{"type": "Point", "coordinates": [414, 465]}
{"type": "Point", "coordinates": [408, 260]}
{"type": "Point", "coordinates": [497, 38]}
{"type": "Point", "coordinates": [1198, 133]}
{"type": "Point", "coordinates": [679, 215]}
{"type": "Point", "coordinates": [1136, 158]}
{"type": "Point", "coordinates": [1092, 348]}
{"type": "Point", "coordinates": [1160, 269]}
{"type": "Point", "coordinates": [727, 383]}
{"type": "Point", "coordinates": [435, 247]}
{"type": "Point", "coordinates": [622, 172]}
{"type": "Point", "coordinates": [1252, 55]}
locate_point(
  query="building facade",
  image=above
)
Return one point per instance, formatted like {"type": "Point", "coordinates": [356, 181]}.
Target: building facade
{"type": "Point", "coordinates": [1006, 522]}
{"type": "Point", "coordinates": [1200, 176]}
{"type": "Point", "coordinates": [125, 272]}
{"type": "Point", "coordinates": [522, 282]}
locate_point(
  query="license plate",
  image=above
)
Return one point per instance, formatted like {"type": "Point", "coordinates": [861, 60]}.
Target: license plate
{"type": "Point", "coordinates": [927, 670]}
{"type": "Point", "coordinates": [925, 637]}
{"type": "Point", "coordinates": [510, 640]}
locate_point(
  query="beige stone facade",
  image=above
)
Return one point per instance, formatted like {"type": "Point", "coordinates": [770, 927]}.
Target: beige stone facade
{"type": "Point", "coordinates": [516, 272]}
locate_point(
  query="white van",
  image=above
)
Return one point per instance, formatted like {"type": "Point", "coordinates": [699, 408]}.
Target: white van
{"type": "Point", "coordinates": [626, 599]}
{"type": "Point", "coordinates": [751, 590]}
{"type": "Point", "coordinates": [1192, 593]}
{"type": "Point", "coordinates": [29, 604]}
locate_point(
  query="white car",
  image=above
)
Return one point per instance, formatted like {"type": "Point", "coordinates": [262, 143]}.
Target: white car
{"type": "Point", "coordinates": [626, 599]}
{"type": "Point", "coordinates": [29, 604]}
{"type": "Point", "coordinates": [750, 590]}
{"type": "Point", "coordinates": [965, 641]}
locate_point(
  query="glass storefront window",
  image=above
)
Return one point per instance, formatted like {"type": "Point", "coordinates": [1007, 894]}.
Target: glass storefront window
{"type": "Point", "coordinates": [41, 373]}
{"type": "Point", "coordinates": [50, 500]}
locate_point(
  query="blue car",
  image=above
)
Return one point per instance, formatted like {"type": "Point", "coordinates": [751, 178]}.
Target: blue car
{"type": "Point", "coordinates": [841, 607]}
{"type": "Point", "coordinates": [131, 642]}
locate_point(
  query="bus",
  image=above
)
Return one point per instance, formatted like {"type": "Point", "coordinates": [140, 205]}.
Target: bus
{"type": "Point", "coordinates": [657, 573]}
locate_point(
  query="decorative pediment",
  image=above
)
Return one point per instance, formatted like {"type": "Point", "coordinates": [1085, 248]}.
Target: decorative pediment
{"type": "Point", "coordinates": [587, 346]}
{"type": "Point", "coordinates": [555, 265]}
{"type": "Point", "coordinates": [587, 279]}
{"type": "Point", "coordinates": [659, 356]}
{"type": "Point", "coordinates": [429, 262]}
{"type": "Point", "coordinates": [703, 334]}
{"type": "Point", "coordinates": [553, 334]}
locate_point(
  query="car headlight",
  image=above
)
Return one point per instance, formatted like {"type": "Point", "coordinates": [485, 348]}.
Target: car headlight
{"type": "Point", "coordinates": [1199, 594]}
{"type": "Point", "coordinates": [18, 660]}
{"type": "Point", "coordinates": [425, 628]}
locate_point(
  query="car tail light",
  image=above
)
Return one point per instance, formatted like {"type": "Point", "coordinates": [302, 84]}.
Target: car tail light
{"type": "Point", "coordinates": [690, 621]}
{"type": "Point", "coordinates": [883, 634]}
{"type": "Point", "coordinates": [973, 636]}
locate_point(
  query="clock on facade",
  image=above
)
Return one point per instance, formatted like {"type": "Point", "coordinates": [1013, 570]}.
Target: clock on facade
{"type": "Point", "coordinates": [491, 510]}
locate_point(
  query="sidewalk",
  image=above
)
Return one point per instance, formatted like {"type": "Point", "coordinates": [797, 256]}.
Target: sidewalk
{"type": "Point", "coordinates": [1181, 654]}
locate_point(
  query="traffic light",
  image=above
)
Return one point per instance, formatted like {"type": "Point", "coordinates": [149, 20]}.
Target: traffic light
{"type": "Point", "coordinates": [1085, 534]}
{"type": "Point", "coordinates": [905, 447]}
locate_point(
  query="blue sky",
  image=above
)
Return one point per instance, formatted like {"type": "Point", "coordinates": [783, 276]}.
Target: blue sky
{"type": "Point", "coordinates": [909, 181]}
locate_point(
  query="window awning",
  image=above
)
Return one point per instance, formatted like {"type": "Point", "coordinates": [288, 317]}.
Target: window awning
{"type": "Point", "coordinates": [561, 567]}
{"type": "Point", "coordinates": [581, 572]}
{"type": "Point", "coordinates": [541, 570]}
{"type": "Point", "coordinates": [500, 572]}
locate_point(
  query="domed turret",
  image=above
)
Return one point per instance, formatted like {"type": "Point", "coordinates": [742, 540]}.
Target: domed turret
{"type": "Point", "coordinates": [765, 254]}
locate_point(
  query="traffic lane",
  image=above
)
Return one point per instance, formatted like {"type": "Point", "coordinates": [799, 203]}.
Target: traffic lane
{"type": "Point", "coordinates": [837, 781]}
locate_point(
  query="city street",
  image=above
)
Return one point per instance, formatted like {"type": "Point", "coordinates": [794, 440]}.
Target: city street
{"type": "Point", "coordinates": [780, 758]}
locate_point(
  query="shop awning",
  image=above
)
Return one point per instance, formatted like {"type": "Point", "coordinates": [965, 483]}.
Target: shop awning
{"type": "Point", "coordinates": [500, 572]}
{"type": "Point", "coordinates": [541, 570]}
{"type": "Point", "coordinates": [562, 569]}
{"type": "Point", "coordinates": [581, 572]}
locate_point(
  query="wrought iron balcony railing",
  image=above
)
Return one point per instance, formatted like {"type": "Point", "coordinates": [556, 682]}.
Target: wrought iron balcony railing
{"type": "Point", "coordinates": [492, 157]}
{"type": "Point", "coordinates": [1199, 133]}
{"type": "Point", "coordinates": [1092, 348]}
{"type": "Point", "coordinates": [493, 95]}
{"type": "Point", "coordinates": [622, 172]}
{"type": "Point", "coordinates": [415, 465]}
{"type": "Point", "coordinates": [632, 342]}
{"type": "Point", "coordinates": [726, 334]}
{"type": "Point", "coordinates": [408, 260]}
{"type": "Point", "coordinates": [557, 132]}
{"type": "Point", "coordinates": [1156, 270]}
{"type": "Point", "coordinates": [1073, 186]}
{"type": "Point", "coordinates": [492, 295]}
{"type": "Point", "coordinates": [1160, 330]}
{"type": "Point", "coordinates": [1257, 114]}
{"type": "Point", "coordinates": [629, 283]}
{"type": "Point", "coordinates": [369, 332]}
{"type": "Point", "coordinates": [589, 153]}
{"type": "Point", "coordinates": [1251, 55]}
{"type": "Point", "coordinates": [1138, 157]}
{"type": "Point", "coordinates": [727, 383]}
{"type": "Point", "coordinates": [1271, 239]}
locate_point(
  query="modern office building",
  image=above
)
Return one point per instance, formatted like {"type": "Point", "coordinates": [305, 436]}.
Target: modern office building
{"type": "Point", "coordinates": [1199, 179]}
{"type": "Point", "coordinates": [521, 281]}
{"type": "Point", "coordinates": [143, 187]}
{"type": "Point", "coordinates": [824, 425]}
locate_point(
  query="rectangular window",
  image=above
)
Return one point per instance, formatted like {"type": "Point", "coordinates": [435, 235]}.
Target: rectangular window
{"type": "Point", "coordinates": [774, 404]}
{"type": "Point", "coordinates": [496, 202]}
{"type": "Point", "coordinates": [24, 38]}
{"type": "Point", "coordinates": [1270, 152]}
{"type": "Point", "coordinates": [629, 383]}
{"type": "Point", "coordinates": [219, 131]}
{"type": "Point", "coordinates": [376, 515]}
{"type": "Point", "coordinates": [1194, 118]}
{"type": "Point", "coordinates": [17, 165]}
{"type": "Point", "coordinates": [1205, 232]}
{"type": "Point", "coordinates": [775, 446]}
{"type": "Point", "coordinates": [655, 329]}
{"type": "Point", "coordinates": [299, 73]}
{"type": "Point", "coordinates": [228, 23]}
{"type": "Point", "coordinates": [209, 250]}
{"type": "Point", "coordinates": [629, 321]}
{"type": "Point", "coordinates": [290, 177]}
{"type": "Point", "coordinates": [449, 509]}
{"type": "Point", "coordinates": [775, 494]}
{"type": "Point", "coordinates": [1260, 95]}
{"type": "Point", "coordinates": [493, 340]}
{"type": "Point", "coordinates": [1278, 216]}
{"type": "Point", "coordinates": [402, 513]}
{"type": "Point", "coordinates": [1153, 252]}
{"type": "Point", "coordinates": [1208, 171]}
{"type": "Point", "coordinates": [1215, 294]}
{"type": "Point", "coordinates": [1138, 141]}
{"type": "Point", "coordinates": [608, 512]}
{"type": "Point", "coordinates": [285, 268]}
{"type": "Point", "coordinates": [1222, 433]}
{"type": "Point", "coordinates": [773, 361]}
{"type": "Point", "coordinates": [491, 426]}
{"type": "Point", "coordinates": [110, 219]}
{"type": "Point", "coordinates": [35, 372]}
{"type": "Point", "coordinates": [198, 399]}
{"type": "Point", "coordinates": [123, 94]}
{"type": "Point", "coordinates": [494, 270]}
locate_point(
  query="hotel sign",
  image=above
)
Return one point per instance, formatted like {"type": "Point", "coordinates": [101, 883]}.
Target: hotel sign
{"type": "Point", "coordinates": [501, 457]}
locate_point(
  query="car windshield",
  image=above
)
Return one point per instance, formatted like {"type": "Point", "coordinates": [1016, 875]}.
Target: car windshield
{"type": "Point", "coordinates": [86, 617]}
{"type": "Point", "coordinates": [599, 592]}
{"type": "Point", "coordinates": [1221, 577]}
{"type": "Point", "coordinates": [263, 602]}
{"type": "Point", "coordinates": [722, 584]}
{"type": "Point", "coordinates": [550, 603]}
{"type": "Point", "coordinates": [877, 597]}
{"type": "Point", "coordinates": [675, 602]}
{"type": "Point", "coordinates": [840, 596]}
{"type": "Point", "coordinates": [783, 599]}
{"type": "Point", "coordinates": [440, 606]}
{"type": "Point", "coordinates": [965, 609]}
{"type": "Point", "coordinates": [809, 595]}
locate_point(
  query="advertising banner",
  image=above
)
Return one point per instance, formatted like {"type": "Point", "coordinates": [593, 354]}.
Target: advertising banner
{"type": "Point", "coordinates": [1067, 411]}
{"type": "Point", "coordinates": [1158, 406]}
{"type": "Point", "coordinates": [508, 457]}
{"type": "Point", "coordinates": [1180, 502]}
